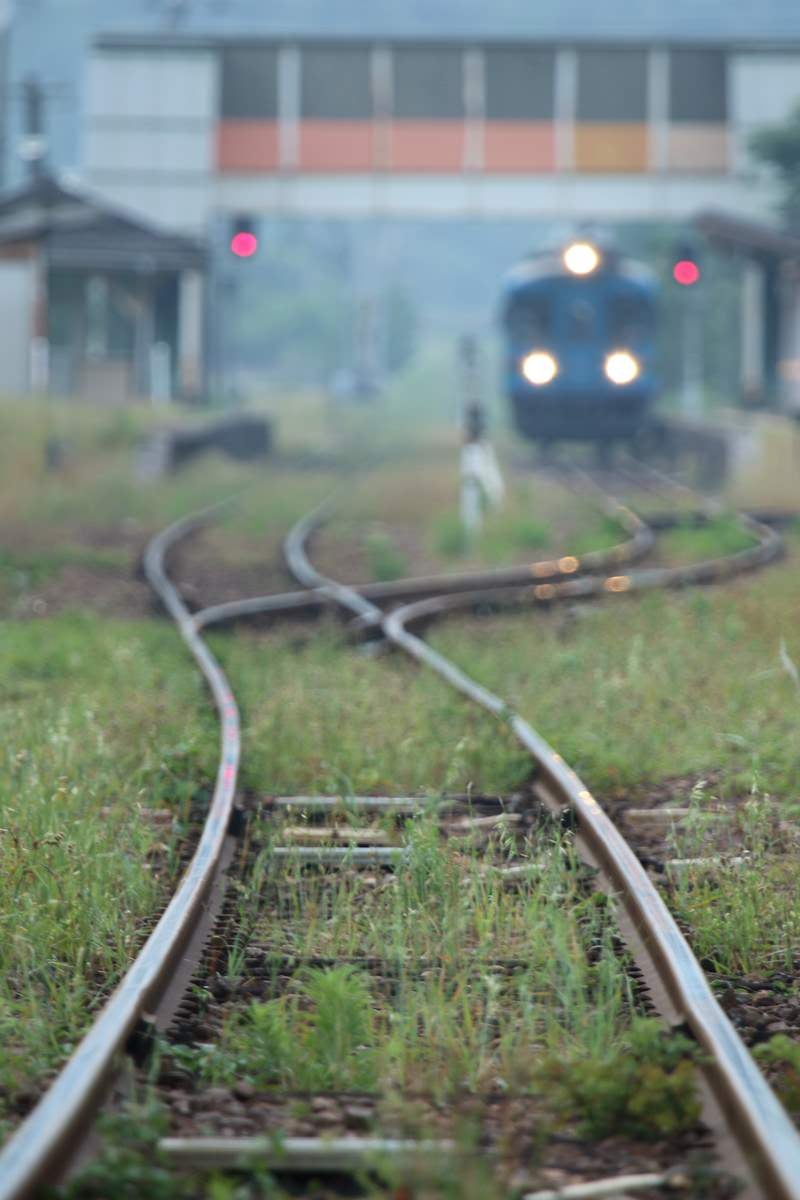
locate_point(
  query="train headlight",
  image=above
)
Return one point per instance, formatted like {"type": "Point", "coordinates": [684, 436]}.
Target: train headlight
{"type": "Point", "coordinates": [539, 367]}
{"type": "Point", "coordinates": [621, 367]}
{"type": "Point", "coordinates": [581, 258]}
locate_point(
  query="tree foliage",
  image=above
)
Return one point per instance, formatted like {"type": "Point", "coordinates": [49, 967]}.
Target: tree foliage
{"type": "Point", "coordinates": [779, 147]}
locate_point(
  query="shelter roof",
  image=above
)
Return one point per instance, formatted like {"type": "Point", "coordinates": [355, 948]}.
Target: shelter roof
{"type": "Point", "coordinates": [79, 229]}
{"type": "Point", "coordinates": [752, 238]}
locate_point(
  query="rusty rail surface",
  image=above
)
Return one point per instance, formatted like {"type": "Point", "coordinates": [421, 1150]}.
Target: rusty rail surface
{"type": "Point", "coordinates": [47, 1138]}
{"type": "Point", "coordinates": [761, 1125]}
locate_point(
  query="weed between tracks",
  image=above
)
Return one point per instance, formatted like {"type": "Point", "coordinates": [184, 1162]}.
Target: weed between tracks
{"type": "Point", "coordinates": [321, 717]}
{"type": "Point", "coordinates": [475, 982]}
{"type": "Point", "coordinates": [493, 1011]}
{"type": "Point", "coordinates": [743, 907]}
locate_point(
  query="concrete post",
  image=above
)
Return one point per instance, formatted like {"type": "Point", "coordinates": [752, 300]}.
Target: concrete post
{"type": "Point", "coordinates": [39, 351]}
{"type": "Point", "coordinates": [566, 107]}
{"type": "Point", "coordinates": [289, 107]}
{"type": "Point", "coordinates": [143, 338]}
{"type": "Point", "coordinates": [474, 108]}
{"type": "Point", "coordinates": [752, 333]}
{"type": "Point", "coordinates": [382, 98]}
{"type": "Point", "coordinates": [790, 347]}
{"type": "Point", "coordinates": [692, 353]}
{"type": "Point", "coordinates": [658, 109]}
{"type": "Point", "coordinates": [190, 334]}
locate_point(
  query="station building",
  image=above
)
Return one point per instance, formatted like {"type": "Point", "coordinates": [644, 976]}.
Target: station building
{"type": "Point", "coordinates": [531, 128]}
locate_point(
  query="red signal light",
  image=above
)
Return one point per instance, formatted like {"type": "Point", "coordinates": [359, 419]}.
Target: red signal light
{"type": "Point", "coordinates": [686, 272]}
{"type": "Point", "coordinates": [244, 245]}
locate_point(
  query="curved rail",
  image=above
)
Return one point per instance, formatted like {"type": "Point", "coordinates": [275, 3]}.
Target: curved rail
{"type": "Point", "coordinates": [638, 544]}
{"type": "Point", "coordinates": [44, 1142]}
{"type": "Point", "coordinates": [761, 1124]}
{"type": "Point", "coordinates": [769, 547]}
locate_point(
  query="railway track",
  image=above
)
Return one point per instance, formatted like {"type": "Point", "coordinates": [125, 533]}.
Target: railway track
{"type": "Point", "coordinates": [149, 997]}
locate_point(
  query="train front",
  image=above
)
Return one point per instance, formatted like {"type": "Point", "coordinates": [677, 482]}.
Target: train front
{"type": "Point", "coordinates": [579, 330]}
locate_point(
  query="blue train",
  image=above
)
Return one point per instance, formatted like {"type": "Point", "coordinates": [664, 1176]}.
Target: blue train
{"type": "Point", "coordinates": [579, 328]}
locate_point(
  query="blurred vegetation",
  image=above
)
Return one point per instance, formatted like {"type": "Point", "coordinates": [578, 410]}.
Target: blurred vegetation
{"type": "Point", "coordinates": [778, 146]}
{"type": "Point", "coordinates": [302, 313]}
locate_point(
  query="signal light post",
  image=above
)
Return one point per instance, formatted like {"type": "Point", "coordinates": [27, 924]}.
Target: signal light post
{"type": "Point", "coordinates": [686, 273]}
{"type": "Point", "coordinates": [236, 242]}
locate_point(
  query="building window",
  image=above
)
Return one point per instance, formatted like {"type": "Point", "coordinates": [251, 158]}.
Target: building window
{"type": "Point", "coordinates": [697, 86]}
{"type": "Point", "coordinates": [428, 83]}
{"type": "Point", "coordinates": [249, 82]}
{"type": "Point", "coordinates": [336, 83]}
{"type": "Point", "coordinates": [612, 85]}
{"type": "Point", "coordinates": [519, 84]}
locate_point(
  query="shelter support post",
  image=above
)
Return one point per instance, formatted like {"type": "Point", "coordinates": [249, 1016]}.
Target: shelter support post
{"type": "Point", "coordinates": [752, 333]}
{"type": "Point", "coordinates": [190, 335]}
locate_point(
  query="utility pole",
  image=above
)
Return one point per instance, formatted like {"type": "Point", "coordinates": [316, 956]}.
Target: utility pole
{"type": "Point", "coordinates": [692, 384]}
{"type": "Point", "coordinates": [34, 143]}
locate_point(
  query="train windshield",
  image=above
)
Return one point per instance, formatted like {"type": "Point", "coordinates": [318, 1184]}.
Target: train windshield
{"type": "Point", "coordinates": [581, 321]}
{"type": "Point", "coordinates": [529, 319]}
{"type": "Point", "coordinates": [631, 318]}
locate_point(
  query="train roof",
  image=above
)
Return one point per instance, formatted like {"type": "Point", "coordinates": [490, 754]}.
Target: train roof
{"type": "Point", "coordinates": [543, 269]}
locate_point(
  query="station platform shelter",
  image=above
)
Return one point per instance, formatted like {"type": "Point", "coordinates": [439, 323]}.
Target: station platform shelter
{"type": "Point", "coordinates": [770, 307]}
{"type": "Point", "coordinates": [96, 303]}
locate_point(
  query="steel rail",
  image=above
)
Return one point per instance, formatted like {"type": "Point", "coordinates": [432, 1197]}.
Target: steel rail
{"type": "Point", "coordinates": [47, 1138]}
{"type": "Point", "coordinates": [638, 544]}
{"type": "Point", "coordinates": [758, 1119]}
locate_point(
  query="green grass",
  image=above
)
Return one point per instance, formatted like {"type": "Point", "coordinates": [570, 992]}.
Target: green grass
{"type": "Point", "coordinates": [744, 916]}
{"type": "Point", "coordinates": [600, 533]}
{"type": "Point", "coordinates": [386, 562]}
{"type": "Point", "coordinates": [21, 570]}
{"type": "Point", "coordinates": [481, 985]}
{"type": "Point", "coordinates": [716, 538]}
{"type": "Point", "coordinates": [100, 725]}
{"type": "Point", "coordinates": [502, 539]}
{"type": "Point", "coordinates": [316, 719]}
{"type": "Point", "coordinates": [641, 689]}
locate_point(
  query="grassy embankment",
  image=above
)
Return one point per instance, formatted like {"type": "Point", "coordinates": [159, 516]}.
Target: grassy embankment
{"type": "Point", "coordinates": [704, 667]}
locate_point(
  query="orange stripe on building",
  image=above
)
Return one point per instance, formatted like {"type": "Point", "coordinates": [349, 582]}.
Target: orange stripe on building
{"type": "Point", "coordinates": [510, 146]}
{"type": "Point", "coordinates": [427, 146]}
{"type": "Point", "coordinates": [611, 146]}
{"type": "Point", "coordinates": [247, 145]}
{"type": "Point", "coordinates": [698, 146]}
{"type": "Point", "coordinates": [336, 146]}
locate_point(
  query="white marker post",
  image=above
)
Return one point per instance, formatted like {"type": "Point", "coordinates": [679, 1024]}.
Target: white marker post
{"type": "Point", "coordinates": [481, 482]}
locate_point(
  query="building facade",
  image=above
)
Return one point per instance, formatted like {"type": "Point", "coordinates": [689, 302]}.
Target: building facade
{"type": "Point", "coordinates": [185, 125]}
